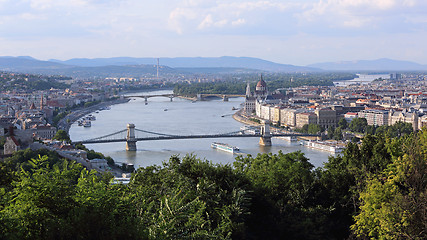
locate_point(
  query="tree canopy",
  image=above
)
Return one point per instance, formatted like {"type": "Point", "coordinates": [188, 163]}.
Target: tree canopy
{"type": "Point", "coordinates": [373, 190]}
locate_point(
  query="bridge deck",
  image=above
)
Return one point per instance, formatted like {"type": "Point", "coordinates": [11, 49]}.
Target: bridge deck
{"type": "Point", "coordinates": [193, 137]}
{"type": "Point", "coordinates": [149, 96]}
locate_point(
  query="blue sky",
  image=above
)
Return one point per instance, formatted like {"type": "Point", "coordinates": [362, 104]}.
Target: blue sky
{"type": "Point", "coordinates": [291, 32]}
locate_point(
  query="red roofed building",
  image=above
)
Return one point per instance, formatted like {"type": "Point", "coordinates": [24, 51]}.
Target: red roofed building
{"type": "Point", "coordinates": [350, 116]}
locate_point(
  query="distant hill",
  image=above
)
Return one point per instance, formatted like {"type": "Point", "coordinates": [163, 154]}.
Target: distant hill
{"type": "Point", "coordinates": [136, 67]}
{"type": "Point", "coordinates": [192, 62]}
{"type": "Point", "coordinates": [109, 71]}
{"type": "Point", "coordinates": [25, 63]}
{"type": "Point", "coordinates": [31, 65]}
{"type": "Point", "coordinates": [216, 70]}
{"type": "Point", "coordinates": [383, 64]}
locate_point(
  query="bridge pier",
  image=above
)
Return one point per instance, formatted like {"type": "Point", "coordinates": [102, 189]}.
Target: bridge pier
{"type": "Point", "coordinates": [146, 99]}
{"type": "Point", "coordinates": [199, 97]}
{"type": "Point", "coordinates": [171, 97]}
{"type": "Point", "coordinates": [130, 139]}
{"type": "Point", "coordinates": [265, 139]}
{"type": "Point", "coordinates": [225, 98]}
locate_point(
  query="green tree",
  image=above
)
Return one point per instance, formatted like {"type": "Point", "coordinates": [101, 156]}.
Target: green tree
{"type": "Point", "coordinates": [338, 133]}
{"type": "Point", "coordinates": [214, 195]}
{"type": "Point", "coordinates": [358, 125]}
{"type": "Point", "coordinates": [314, 129]}
{"type": "Point", "coordinates": [62, 135]}
{"type": "Point", "coordinates": [65, 201]}
{"type": "Point", "coordinates": [396, 130]}
{"type": "Point", "coordinates": [331, 131]}
{"type": "Point", "coordinates": [342, 123]}
{"type": "Point", "coordinates": [394, 202]}
{"type": "Point", "coordinates": [344, 178]}
{"type": "Point", "coordinates": [310, 128]}
{"type": "Point", "coordinates": [2, 141]}
{"type": "Point", "coordinates": [40, 200]}
{"type": "Point", "coordinates": [283, 204]}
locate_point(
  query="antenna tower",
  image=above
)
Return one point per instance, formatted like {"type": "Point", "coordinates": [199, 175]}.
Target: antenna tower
{"type": "Point", "coordinates": [157, 69]}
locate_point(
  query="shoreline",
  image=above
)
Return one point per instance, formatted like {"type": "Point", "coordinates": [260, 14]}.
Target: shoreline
{"type": "Point", "coordinates": [67, 121]}
{"type": "Point", "coordinates": [238, 116]}
{"type": "Point", "coordinates": [187, 98]}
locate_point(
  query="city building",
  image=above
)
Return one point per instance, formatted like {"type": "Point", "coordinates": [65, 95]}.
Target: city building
{"type": "Point", "coordinates": [249, 101]}
{"type": "Point", "coordinates": [288, 117]}
{"type": "Point", "coordinates": [374, 117]}
{"type": "Point", "coordinates": [326, 117]}
{"type": "Point", "coordinates": [43, 132]}
{"type": "Point", "coordinates": [305, 118]}
{"type": "Point", "coordinates": [260, 93]}
{"type": "Point", "coordinates": [11, 145]}
{"type": "Point", "coordinates": [403, 116]}
{"type": "Point", "coordinates": [350, 116]}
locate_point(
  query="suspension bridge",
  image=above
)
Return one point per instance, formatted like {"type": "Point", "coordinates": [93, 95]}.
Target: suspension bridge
{"type": "Point", "coordinates": [131, 135]}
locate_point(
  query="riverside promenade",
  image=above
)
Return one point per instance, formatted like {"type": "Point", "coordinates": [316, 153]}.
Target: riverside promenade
{"type": "Point", "coordinates": [67, 121]}
{"type": "Point", "coordinates": [241, 117]}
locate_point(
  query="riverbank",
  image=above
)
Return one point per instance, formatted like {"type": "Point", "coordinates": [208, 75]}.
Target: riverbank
{"type": "Point", "coordinates": [240, 117]}
{"type": "Point", "coordinates": [67, 121]}
{"type": "Point", "coordinates": [188, 98]}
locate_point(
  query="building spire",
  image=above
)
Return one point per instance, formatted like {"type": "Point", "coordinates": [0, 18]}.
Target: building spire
{"type": "Point", "coordinates": [248, 90]}
{"type": "Point", "coordinates": [41, 103]}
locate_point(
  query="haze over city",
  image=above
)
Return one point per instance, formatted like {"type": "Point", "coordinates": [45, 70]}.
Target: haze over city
{"type": "Point", "coordinates": [291, 32]}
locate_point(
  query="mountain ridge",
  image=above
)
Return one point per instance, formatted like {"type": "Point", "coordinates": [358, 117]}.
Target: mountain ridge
{"type": "Point", "coordinates": [191, 62]}
{"type": "Point", "coordinates": [123, 66]}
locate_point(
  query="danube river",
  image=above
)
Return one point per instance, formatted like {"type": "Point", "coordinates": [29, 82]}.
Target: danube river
{"type": "Point", "coordinates": [362, 79]}
{"type": "Point", "coordinates": [179, 117]}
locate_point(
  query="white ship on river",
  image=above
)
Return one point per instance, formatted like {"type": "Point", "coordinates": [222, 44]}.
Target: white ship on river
{"type": "Point", "coordinates": [250, 129]}
{"type": "Point", "coordinates": [224, 147]}
{"type": "Point", "coordinates": [331, 147]}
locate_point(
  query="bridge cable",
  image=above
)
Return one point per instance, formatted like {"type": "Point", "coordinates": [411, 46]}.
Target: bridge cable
{"type": "Point", "coordinates": [160, 134]}
{"type": "Point", "coordinates": [108, 135]}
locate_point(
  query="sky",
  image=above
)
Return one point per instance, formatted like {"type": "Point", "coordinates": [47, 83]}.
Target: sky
{"type": "Point", "coordinates": [298, 32]}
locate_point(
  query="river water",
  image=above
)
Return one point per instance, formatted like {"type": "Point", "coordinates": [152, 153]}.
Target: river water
{"type": "Point", "coordinates": [179, 117]}
{"type": "Point", "coordinates": [362, 79]}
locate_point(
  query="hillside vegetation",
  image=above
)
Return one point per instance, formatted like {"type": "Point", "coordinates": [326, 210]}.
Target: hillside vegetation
{"type": "Point", "coordinates": [376, 190]}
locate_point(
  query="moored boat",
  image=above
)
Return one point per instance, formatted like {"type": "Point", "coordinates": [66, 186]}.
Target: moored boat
{"type": "Point", "coordinates": [325, 146]}
{"type": "Point", "coordinates": [250, 130]}
{"type": "Point", "coordinates": [87, 123]}
{"type": "Point", "coordinates": [91, 117]}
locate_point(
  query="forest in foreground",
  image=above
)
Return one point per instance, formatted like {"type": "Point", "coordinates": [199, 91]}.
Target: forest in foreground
{"type": "Point", "coordinates": [374, 190]}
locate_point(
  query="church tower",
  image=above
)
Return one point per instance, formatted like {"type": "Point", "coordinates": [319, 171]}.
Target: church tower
{"type": "Point", "coordinates": [248, 90]}
{"type": "Point", "coordinates": [249, 101]}
{"type": "Point", "coordinates": [41, 103]}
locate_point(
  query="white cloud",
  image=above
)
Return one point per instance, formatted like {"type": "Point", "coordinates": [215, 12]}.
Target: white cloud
{"type": "Point", "coordinates": [359, 13]}
{"type": "Point", "coordinates": [273, 29]}
{"type": "Point", "coordinates": [238, 22]}
{"type": "Point", "coordinates": [356, 22]}
{"type": "Point", "coordinates": [31, 16]}
{"type": "Point", "coordinates": [207, 22]}
{"type": "Point", "coordinates": [203, 15]}
{"type": "Point", "coordinates": [48, 4]}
